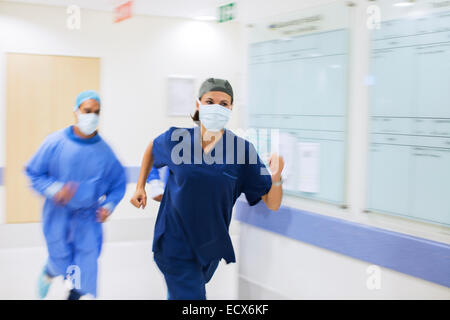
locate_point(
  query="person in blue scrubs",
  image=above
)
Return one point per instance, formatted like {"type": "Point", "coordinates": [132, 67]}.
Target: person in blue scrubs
{"type": "Point", "coordinates": [82, 182]}
{"type": "Point", "coordinates": [209, 167]}
{"type": "Point", "coordinates": [157, 180]}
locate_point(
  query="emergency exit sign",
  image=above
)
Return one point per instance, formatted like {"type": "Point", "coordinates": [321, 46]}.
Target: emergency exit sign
{"type": "Point", "coordinates": [123, 11]}
{"type": "Point", "coordinates": [227, 12]}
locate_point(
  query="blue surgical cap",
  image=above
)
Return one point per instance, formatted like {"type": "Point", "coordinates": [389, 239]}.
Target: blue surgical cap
{"type": "Point", "coordinates": [86, 95]}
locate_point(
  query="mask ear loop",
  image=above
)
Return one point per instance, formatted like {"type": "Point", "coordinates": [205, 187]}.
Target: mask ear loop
{"type": "Point", "coordinates": [198, 110]}
{"type": "Point", "coordinates": [199, 122]}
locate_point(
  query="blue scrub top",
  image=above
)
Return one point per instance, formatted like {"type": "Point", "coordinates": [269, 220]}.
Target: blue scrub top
{"type": "Point", "coordinates": [158, 174]}
{"type": "Point", "coordinates": [173, 242]}
{"type": "Point", "coordinates": [202, 188]}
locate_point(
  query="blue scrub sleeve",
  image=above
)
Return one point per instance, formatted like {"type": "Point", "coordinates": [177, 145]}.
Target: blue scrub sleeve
{"type": "Point", "coordinates": [117, 187]}
{"type": "Point", "coordinates": [161, 149]}
{"type": "Point", "coordinates": [153, 175]}
{"type": "Point", "coordinates": [37, 170]}
{"type": "Point", "coordinates": [257, 180]}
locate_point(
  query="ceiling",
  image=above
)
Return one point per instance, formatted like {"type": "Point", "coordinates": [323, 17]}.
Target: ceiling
{"type": "Point", "coordinates": [247, 10]}
{"type": "Point", "coordinates": [166, 8]}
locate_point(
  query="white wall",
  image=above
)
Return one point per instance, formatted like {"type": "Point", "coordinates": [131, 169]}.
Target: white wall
{"type": "Point", "coordinates": [275, 267]}
{"type": "Point", "coordinates": [358, 121]}
{"type": "Point", "coordinates": [272, 266]}
{"type": "Point", "coordinates": [136, 55]}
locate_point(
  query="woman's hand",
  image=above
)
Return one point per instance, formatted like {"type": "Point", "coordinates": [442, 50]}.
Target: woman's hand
{"type": "Point", "coordinates": [272, 199]}
{"type": "Point", "coordinates": [139, 198]}
{"type": "Point", "coordinates": [276, 165]}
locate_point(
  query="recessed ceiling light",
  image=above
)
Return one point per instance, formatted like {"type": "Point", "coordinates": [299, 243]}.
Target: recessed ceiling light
{"type": "Point", "coordinates": [404, 4]}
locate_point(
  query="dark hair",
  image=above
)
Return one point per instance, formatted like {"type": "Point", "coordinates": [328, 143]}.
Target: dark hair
{"type": "Point", "coordinates": [196, 116]}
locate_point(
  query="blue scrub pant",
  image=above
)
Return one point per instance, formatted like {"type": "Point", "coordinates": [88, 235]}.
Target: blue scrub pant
{"type": "Point", "coordinates": [185, 279]}
{"type": "Point", "coordinates": [74, 241]}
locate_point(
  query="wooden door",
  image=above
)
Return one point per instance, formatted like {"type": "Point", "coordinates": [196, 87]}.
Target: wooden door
{"type": "Point", "coordinates": [41, 92]}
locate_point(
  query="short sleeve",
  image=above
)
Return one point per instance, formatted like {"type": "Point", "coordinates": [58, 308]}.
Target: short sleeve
{"type": "Point", "coordinates": [257, 179]}
{"type": "Point", "coordinates": [153, 175]}
{"type": "Point", "coordinates": [161, 149]}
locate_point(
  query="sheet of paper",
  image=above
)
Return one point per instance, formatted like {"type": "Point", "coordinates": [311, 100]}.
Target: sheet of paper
{"type": "Point", "coordinates": [309, 163]}
{"type": "Point", "coordinates": [288, 150]}
{"type": "Point", "coordinates": [181, 96]}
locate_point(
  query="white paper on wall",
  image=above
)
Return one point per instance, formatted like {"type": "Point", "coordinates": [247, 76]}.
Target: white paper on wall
{"type": "Point", "coordinates": [181, 95]}
{"type": "Point", "coordinates": [309, 163]}
{"type": "Point", "coordinates": [288, 150]}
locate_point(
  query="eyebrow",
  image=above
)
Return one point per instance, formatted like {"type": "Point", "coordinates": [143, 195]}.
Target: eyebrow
{"type": "Point", "coordinates": [89, 110]}
{"type": "Point", "coordinates": [220, 101]}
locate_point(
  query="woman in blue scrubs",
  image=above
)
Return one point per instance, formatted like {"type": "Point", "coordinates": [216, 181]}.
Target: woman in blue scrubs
{"type": "Point", "coordinates": [209, 167]}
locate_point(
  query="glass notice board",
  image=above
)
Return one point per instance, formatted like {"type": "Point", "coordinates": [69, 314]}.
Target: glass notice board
{"type": "Point", "coordinates": [409, 154]}
{"type": "Point", "coordinates": [298, 93]}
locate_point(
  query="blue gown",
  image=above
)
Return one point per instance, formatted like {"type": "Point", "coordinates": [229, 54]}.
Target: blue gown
{"type": "Point", "coordinates": [72, 232]}
{"type": "Point", "coordinates": [191, 232]}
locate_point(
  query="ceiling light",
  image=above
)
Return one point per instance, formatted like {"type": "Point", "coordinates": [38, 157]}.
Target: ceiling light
{"type": "Point", "coordinates": [404, 3]}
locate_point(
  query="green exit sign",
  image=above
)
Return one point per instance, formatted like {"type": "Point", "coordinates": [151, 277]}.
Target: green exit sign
{"type": "Point", "coordinates": [227, 12]}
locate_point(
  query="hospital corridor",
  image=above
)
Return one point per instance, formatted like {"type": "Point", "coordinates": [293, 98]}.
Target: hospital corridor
{"type": "Point", "coordinates": [225, 150]}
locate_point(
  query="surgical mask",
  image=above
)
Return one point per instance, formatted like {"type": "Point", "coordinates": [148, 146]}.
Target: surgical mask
{"type": "Point", "coordinates": [213, 117]}
{"type": "Point", "coordinates": [87, 123]}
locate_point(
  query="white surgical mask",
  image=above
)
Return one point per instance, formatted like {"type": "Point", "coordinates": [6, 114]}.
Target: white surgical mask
{"type": "Point", "coordinates": [213, 117]}
{"type": "Point", "coordinates": [87, 122]}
